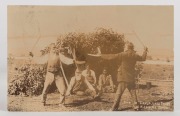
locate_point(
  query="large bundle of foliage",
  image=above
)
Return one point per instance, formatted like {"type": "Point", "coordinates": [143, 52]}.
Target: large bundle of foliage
{"type": "Point", "coordinates": [107, 40]}
{"type": "Point", "coordinates": [81, 44]}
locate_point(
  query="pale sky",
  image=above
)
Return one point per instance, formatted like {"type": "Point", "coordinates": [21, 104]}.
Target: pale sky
{"type": "Point", "coordinates": [153, 25]}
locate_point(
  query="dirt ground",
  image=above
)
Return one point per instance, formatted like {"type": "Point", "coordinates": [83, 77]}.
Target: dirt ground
{"type": "Point", "coordinates": [160, 97]}
{"type": "Point", "coordinates": [154, 99]}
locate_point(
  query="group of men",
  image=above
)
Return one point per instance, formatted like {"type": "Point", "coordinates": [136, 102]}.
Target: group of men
{"type": "Point", "coordinates": [85, 82]}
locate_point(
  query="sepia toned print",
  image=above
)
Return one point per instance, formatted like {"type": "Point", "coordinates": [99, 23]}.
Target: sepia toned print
{"type": "Point", "coordinates": [90, 58]}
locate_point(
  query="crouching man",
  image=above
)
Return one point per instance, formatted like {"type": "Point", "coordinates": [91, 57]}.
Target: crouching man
{"type": "Point", "coordinates": [89, 75]}
{"type": "Point", "coordinates": [80, 86]}
{"type": "Point", "coordinates": [105, 83]}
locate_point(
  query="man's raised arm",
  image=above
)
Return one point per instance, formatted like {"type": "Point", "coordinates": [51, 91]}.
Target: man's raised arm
{"type": "Point", "coordinates": [143, 57]}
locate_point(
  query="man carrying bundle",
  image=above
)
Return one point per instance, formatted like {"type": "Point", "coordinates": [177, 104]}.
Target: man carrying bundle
{"type": "Point", "coordinates": [126, 73]}
{"type": "Point", "coordinates": [54, 73]}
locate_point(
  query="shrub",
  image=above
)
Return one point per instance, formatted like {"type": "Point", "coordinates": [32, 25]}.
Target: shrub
{"type": "Point", "coordinates": [28, 80]}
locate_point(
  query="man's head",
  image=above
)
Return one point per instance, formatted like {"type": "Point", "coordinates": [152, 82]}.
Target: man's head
{"type": "Point", "coordinates": [105, 71]}
{"type": "Point", "coordinates": [130, 46]}
{"type": "Point", "coordinates": [52, 48]}
{"type": "Point", "coordinates": [78, 74]}
{"type": "Point", "coordinates": [88, 73]}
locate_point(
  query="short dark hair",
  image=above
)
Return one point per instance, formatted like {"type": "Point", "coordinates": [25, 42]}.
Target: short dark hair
{"type": "Point", "coordinates": [130, 45]}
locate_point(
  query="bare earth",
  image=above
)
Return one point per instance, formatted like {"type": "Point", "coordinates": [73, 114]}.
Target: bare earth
{"type": "Point", "coordinates": [154, 99]}
{"type": "Point", "coordinates": [160, 97]}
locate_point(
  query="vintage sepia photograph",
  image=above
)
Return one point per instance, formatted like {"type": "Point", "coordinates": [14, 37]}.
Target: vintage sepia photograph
{"type": "Point", "coordinates": [90, 58]}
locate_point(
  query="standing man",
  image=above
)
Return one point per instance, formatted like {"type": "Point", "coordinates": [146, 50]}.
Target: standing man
{"type": "Point", "coordinates": [54, 73]}
{"type": "Point", "coordinates": [126, 73]}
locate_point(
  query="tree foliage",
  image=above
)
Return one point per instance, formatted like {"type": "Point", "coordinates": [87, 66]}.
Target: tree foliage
{"type": "Point", "coordinates": [107, 40]}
